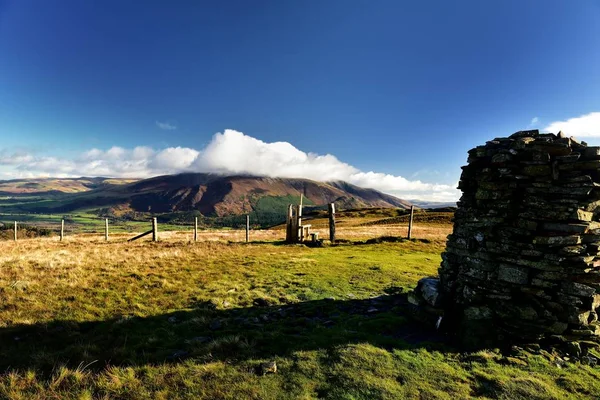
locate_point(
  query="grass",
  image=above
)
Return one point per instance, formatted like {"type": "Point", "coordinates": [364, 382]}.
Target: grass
{"type": "Point", "coordinates": [84, 319]}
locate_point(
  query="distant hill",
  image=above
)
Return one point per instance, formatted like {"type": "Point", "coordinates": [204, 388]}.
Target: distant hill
{"type": "Point", "coordinates": [210, 194]}
{"type": "Point", "coordinates": [432, 204]}
{"type": "Point", "coordinates": [57, 185]}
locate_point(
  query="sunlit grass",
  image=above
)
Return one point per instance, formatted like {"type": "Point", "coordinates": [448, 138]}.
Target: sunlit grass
{"type": "Point", "coordinates": [86, 319]}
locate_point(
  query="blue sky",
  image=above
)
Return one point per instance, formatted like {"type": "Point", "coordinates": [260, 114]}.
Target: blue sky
{"type": "Point", "coordinates": [386, 93]}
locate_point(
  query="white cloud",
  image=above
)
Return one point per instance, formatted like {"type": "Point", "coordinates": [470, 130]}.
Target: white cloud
{"type": "Point", "coordinates": [587, 125]}
{"type": "Point", "coordinates": [165, 126]}
{"type": "Point", "coordinates": [229, 152]}
{"type": "Point", "coordinates": [15, 158]}
{"type": "Point", "coordinates": [534, 122]}
{"type": "Point", "coordinates": [174, 159]}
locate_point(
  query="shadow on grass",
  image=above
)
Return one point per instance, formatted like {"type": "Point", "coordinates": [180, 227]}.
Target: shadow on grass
{"type": "Point", "coordinates": [206, 333]}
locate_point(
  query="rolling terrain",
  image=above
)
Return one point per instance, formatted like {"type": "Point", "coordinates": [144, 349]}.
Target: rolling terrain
{"type": "Point", "coordinates": [42, 186]}
{"type": "Point", "coordinates": [209, 194]}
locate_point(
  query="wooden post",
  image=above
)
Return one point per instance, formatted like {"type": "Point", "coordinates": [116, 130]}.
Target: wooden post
{"type": "Point", "coordinates": [332, 222]}
{"type": "Point", "coordinates": [288, 224]}
{"type": "Point", "coordinates": [15, 231]}
{"type": "Point", "coordinates": [62, 229]}
{"type": "Point", "coordinates": [106, 229]}
{"type": "Point", "coordinates": [410, 221]}
{"type": "Point", "coordinates": [141, 235]}
{"type": "Point", "coordinates": [300, 213]}
{"type": "Point", "coordinates": [154, 230]}
{"type": "Point", "coordinates": [247, 228]}
{"type": "Point", "coordinates": [295, 222]}
{"type": "Point", "coordinates": [195, 229]}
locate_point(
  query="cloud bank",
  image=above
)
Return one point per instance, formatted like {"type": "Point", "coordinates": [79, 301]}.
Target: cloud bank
{"type": "Point", "coordinates": [229, 152]}
{"type": "Point", "coordinates": [587, 125]}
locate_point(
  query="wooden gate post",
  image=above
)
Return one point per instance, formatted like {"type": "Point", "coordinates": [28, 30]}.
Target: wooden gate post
{"type": "Point", "coordinates": [62, 229]}
{"type": "Point", "coordinates": [106, 229]}
{"type": "Point", "coordinates": [410, 222]}
{"type": "Point", "coordinates": [15, 231]}
{"type": "Point", "coordinates": [296, 220]}
{"type": "Point", "coordinates": [195, 229]}
{"type": "Point", "coordinates": [288, 224]}
{"type": "Point", "coordinates": [154, 230]}
{"type": "Point", "coordinates": [247, 228]}
{"type": "Point", "coordinates": [331, 208]}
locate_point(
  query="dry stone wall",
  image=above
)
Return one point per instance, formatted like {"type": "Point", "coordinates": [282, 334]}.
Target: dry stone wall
{"type": "Point", "coordinates": [523, 261]}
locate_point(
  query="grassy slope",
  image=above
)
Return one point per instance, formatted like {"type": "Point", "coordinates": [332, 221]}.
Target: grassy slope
{"type": "Point", "coordinates": [181, 320]}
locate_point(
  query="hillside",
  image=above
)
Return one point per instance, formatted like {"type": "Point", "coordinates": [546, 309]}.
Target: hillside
{"type": "Point", "coordinates": [210, 194]}
{"type": "Point", "coordinates": [57, 185]}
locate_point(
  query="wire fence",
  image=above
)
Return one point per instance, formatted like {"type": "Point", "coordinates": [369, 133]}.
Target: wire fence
{"type": "Point", "coordinates": [30, 226]}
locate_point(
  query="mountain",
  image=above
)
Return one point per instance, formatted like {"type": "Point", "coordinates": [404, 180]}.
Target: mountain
{"type": "Point", "coordinates": [210, 194]}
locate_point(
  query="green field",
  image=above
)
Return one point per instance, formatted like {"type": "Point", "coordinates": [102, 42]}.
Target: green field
{"type": "Point", "coordinates": [176, 319]}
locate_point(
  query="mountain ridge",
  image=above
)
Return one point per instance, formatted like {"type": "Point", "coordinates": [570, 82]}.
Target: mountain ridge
{"type": "Point", "coordinates": [210, 194]}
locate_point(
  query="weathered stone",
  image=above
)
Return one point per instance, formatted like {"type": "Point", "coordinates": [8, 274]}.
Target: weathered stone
{"type": "Point", "coordinates": [536, 170]}
{"type": "Point", "coordinates": [429, 288]}
{"type": "Point", "coordinates": [525, 136]}
{"type": "Point", "coordinates": [573, 349]}
{"type": "Point", "coordinates": [478, 313]}
{"type": "Point", "coordinates": [269, 367]}
{"type": "Point", "coordinates": [513, 274]}
{"type": "Point", "coordinates": [557, 328]}
{"type": "Point", "coordinates": [543, 283]}
{"type": "Point", "coordinates": [569, 158]}
{"type": "Point", "coordinates": [571, 250]}
{"type": "Point", "coordinates": [501, 158]}
{"type": "Point", "coordinates": [555, 241]}
{"type": "Point", "coordinates": [578, 289]}
{"type": "Point", "coordinates": [564, 227]}
{"type": "Point", "coordinates": [591, 153]}
{"type": "Point", "coordinates": [583, 215]}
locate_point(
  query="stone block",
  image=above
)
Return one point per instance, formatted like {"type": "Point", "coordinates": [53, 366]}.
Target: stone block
{"type": "Point", "coordinates": [513, 274]}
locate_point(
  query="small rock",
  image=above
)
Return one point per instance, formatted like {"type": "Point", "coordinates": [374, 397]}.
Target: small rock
{"type": "Point", "coordinates": [172, 320]}
{"type": "Point", "coordinates": [269, 367]}
{"type": "Point", "coordinates": [372, 310]}
{"type": "Point", "coordinates": [573, 349]}
{"type": "Point", "coordinates": [589, 360]}
{"type": "Point", "coordinates": [260, 302]}
{"type": "Point", "coordinates": [429, 290]}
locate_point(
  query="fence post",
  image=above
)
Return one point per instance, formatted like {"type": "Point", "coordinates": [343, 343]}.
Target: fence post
{"type": "Point", "coordinates": [15, 231]}
{"type": "Point", "coordinates": [331, 222]}
{"type": "Point", "coordinates": [62, 229]}
{"type": "Point", "coordinates": [154, 230]}
{"type": "Point", "coordinates": [195, 229]}
{"type": "Point", "coordinates": [247, 228]}
{"type": "Point", "coordinates": [288, 224]}
{"type": "Point", "coordinates": [410, 222]}
{"type": "Point", "coordinates": [106, 229]}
